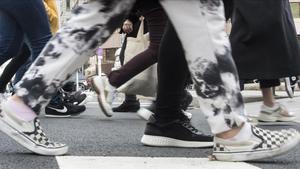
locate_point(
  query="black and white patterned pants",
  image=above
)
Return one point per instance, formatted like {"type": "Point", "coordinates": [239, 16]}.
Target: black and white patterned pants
{"type": "Point", "coordinates": [200, 26]}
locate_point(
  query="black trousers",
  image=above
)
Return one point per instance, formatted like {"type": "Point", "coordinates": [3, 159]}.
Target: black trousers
{"type": "Point", "coordinates": [172, 76]}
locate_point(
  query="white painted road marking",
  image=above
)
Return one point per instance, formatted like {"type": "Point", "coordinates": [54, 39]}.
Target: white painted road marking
{"type": "Point", "coordinates": [99, 162]}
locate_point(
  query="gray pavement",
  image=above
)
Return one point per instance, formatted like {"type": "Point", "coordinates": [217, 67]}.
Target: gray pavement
{"type": "Point", "coordinates": [92, 134]}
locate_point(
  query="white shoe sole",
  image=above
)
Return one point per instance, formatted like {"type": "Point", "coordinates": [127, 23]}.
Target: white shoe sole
{"type": "Point", "coordinates": [255, 155]}
{"type": "Point", "coordinates": [57, 116]}
{"type": "Point", "coordinates": [286, 119]}
{"type": "Point", "coordinates": [105, 107]}
{"type": "Point", "coordinates": [159, 141]}
{"type": "Point", "coordinates": [27, 143]}
{"type": "Point", "coordinates": [268, 118]}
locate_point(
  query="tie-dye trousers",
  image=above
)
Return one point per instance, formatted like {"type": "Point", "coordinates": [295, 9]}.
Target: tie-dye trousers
{"type": "Point", "coordinates": [200, 26]}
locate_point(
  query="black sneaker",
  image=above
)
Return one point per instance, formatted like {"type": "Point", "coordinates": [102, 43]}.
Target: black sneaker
{"type": "Point", "coordinates": [176, 133]}
{"type": "Point", "coordinates": [78, 98]}
{"type": "Point", "coordinates": [128, 106]}
{"type": "Point", "coordinates": [63, 109]}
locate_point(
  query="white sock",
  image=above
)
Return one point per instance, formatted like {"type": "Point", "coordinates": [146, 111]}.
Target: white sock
{"type": "Point", "coordinates": [21, 110]}
{"type": "Point", "coordinates": [274, 107]}
{"type": "Point", "coordinates": [244, 134]}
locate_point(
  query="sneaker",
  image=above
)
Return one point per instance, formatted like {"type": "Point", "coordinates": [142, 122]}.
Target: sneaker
{"type": "Point", "coordinates": [77, 98]}
{"type": "Point", "coordinates": [290, 84]}
{"type": "Point", "coordinates": [277, 113]}
{"type": "Point", "coordinates": [63, 109]}
{"type": "Point", "coordinates": [262, 144]}
{"type": "Point", "coordinates": [29, 134]}
{"type": "Point", "coordinates": [128, 106]}
{"type": "Point", "coordinates": [106, 94]}
{"type": "Point", "coordinates": [177, 133]}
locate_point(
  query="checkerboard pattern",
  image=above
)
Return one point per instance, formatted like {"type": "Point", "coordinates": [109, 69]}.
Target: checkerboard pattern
{"type": "Point", "coordinates": [38, 136]}
{"type": "Point", "coordinates": [269, 139]}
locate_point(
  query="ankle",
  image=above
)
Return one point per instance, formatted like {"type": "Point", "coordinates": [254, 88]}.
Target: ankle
{"type": "Point", "coordinates": [229, 134]}
{"type": "Point", "coordinates": [17, 99]}
{"type": "Point", "coordinates": [239, 134]}
{"type": "Point", "coordinates": [272, 107]}
{"type": "Point", "coordinates": [269, 104]}
{"type": "Point", "coordinates": [19, 108]}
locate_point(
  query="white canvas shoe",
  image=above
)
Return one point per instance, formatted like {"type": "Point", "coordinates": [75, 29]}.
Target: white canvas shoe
{"type": "Point", "coordinates": [277, 113]}
{"type": "Point", "coordinates": [29, 134]}
{"type": "Point", "coordinates": [106, 94]}
{"type": "Point", "coordinates": [262, 144]}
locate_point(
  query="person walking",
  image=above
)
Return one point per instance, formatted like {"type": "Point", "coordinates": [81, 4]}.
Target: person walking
{"type": "Point", "coordinates": [213, 72]}
{"type": "Point", "coordinates": [20, 57]}
{"type": "Point", "coordinates": [19, 64]}
{"type": "Point", "coordinates": [18, 24]}
{"type": "Point", "coordinates": [264, 47]}
{"type": "Point", "coordinates": [155, 19]}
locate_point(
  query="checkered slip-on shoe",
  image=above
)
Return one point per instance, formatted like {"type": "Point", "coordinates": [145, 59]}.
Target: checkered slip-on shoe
{"type": "Point", "coordinates": [106, 94]}
{"type": "Point", "coordinates": [262, 144]}
{"type": "Point", "coordinates": [29, 134]}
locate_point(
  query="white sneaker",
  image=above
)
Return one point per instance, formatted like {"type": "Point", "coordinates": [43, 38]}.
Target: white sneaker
{"type": "Point", "coordinates": [106, 94]}
{"type": "Point", "coordinates": [276, 113]}
{"type": "Point", "coordinates": [29, 134]}
{"type": "Point", "coordinates": [262, 144]}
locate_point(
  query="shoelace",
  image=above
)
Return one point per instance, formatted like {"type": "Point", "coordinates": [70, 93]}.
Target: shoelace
{"type": "Point", "coordinates": [188, 126]}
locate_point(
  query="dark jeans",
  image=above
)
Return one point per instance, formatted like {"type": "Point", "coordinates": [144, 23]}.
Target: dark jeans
{"type": "Point", "coordinates": [173, 74]}
{"type": "Point", "coordinates": [22, 20]}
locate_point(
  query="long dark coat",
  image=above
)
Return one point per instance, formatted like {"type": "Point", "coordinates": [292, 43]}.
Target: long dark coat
{"type": "Point", "coordinates": [263, 39]}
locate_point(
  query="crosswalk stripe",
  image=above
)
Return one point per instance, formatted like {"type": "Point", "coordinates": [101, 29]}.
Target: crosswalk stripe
{"type": "Point", "coordinates": [99, 162]}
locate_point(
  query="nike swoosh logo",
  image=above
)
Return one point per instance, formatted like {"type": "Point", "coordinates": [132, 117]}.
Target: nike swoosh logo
{"type": "Point", "coordinates": [64, 110]}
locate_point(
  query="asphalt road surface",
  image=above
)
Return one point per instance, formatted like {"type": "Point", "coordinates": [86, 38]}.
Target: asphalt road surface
{"type": "Point", "coordinates": [110, 143]}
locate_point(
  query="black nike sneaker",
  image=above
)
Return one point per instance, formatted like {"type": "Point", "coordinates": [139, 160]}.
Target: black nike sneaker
{"type": "Point", "coordinates": [77, 98]}
{"type": "Point", "coordinates": [63, 109]}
